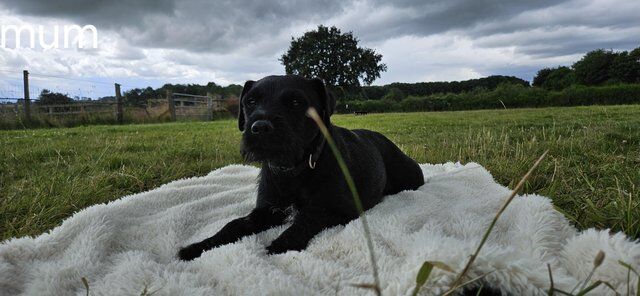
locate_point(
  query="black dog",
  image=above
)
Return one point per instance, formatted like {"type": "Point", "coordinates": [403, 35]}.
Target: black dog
{"type": "Point", "coordinates": [299, 170]}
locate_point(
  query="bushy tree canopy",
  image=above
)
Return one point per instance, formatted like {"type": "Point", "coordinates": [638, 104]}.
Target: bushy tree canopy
{"type": "Point", "coordinates": [559, 78]}
{"type": "Point", "coordinates": [626, 67]}
{"type": "Point", "coordinates": [596, 67]}
{"type": "Point", "coordinates": [593, 68]}
{"type": "Point", "coordinates": [554, 78]}
{"type": "Point", "coordinates": [51, 98]}
{"type": "Point", "coordinates": [541, 77]}
{"type": "Point", "coordinates": [333, 56]}
{"type": "Point", "coordinates": [395, 94]}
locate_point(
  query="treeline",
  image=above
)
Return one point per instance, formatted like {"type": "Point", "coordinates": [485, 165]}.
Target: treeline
{"type": "Point", "coordinates": [597, 67]}
{"type": "Point", "coordinates": [505, 96]}
{"type": "Point", "coordinates": [139, 96]}
{"type": "Point", "coordinates": [600, 77]}
{"type": "Point", "coordinates": [394, 91]}
{"type": "Point", "coordinates": [398, 91]}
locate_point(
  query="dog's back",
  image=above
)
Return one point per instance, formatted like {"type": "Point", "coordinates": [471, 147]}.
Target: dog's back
{"type": "Point", "coordinates": [403, 173]}
{"type": "Point", "coordinates": [374, 157]}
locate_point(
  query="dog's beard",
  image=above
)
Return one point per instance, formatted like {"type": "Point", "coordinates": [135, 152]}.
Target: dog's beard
{"type": "Point", "coordinates": [277, 150]}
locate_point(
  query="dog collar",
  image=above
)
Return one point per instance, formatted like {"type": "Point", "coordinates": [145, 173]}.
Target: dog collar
{"type": "Point", "coordinates": [307, 162]}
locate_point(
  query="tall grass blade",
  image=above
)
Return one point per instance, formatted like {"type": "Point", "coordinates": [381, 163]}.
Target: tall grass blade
{"type": "Point", "coordinates": [86, 284]}
{"type": "Point", "coordinates": [629, 270]}
{"type": "Point", "coordinates": [473, 280]}
{"type": "Point", "coordinates": [551, 289]}
{"type": "Point", "coordinates": [354, 192]}
{"type": "Point", "coordinates": [423, 276]}
{"type": "Point", "coordinates": [595, 285]}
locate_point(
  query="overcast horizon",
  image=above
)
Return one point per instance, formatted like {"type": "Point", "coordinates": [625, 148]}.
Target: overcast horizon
{"type": "Point", "coordinates": [149, 43]}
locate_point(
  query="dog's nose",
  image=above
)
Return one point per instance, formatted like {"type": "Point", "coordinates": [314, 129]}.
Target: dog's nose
{"type": "Point", "coordinates": [261, 127]}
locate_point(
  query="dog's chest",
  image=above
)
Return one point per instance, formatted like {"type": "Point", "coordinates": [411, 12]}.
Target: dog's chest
{"type": "Point", "coordinates": [296, 192]}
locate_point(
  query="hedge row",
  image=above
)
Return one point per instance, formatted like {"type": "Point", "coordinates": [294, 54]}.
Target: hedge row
{"type": "Point", "coordinates": [504, 96]}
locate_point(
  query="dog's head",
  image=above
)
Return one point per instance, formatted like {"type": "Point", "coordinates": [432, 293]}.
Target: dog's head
{"type": "Point", "coordinates": [273, 117]}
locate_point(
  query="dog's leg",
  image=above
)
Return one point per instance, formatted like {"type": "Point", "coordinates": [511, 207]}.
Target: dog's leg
{"type": "Point", "coordinates": [258, 220]}
{"type": "Point", "coordinates": [305, 226]}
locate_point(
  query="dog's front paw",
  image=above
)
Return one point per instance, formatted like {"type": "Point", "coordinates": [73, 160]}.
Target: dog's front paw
{"type": "Point", "coordinates": [279, 247]}
{"type": "Point", "coordinates": [274, 249]}
{"type": "Point", "coordinates": [190, 252]}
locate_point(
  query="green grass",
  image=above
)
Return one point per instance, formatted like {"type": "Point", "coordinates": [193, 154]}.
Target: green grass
{"type": "Point", "coordinates": [592, 172]}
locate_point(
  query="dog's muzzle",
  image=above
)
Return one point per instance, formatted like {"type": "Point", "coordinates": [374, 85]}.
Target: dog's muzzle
{"type": "Point", "coordinates": [261, 127]}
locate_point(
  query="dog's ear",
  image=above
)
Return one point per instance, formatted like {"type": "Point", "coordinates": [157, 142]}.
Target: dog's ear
{"type": "Point", "coordinates": [327, 99]}
{"type": "Point", "coordinates": [247, 86]}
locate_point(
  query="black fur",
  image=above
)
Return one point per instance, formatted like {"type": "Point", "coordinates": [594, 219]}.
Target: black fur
{"type": "Point", "coordinates": [277, 133]}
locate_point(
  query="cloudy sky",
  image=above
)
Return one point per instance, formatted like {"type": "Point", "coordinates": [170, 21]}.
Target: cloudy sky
{"type": "Point", "coordinates": [150, 42]}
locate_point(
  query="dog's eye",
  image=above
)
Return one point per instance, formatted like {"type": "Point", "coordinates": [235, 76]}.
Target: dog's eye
{"type": "Point", "coordinates": [250, 102]}
{"type": "Point", "coordinates": [295, 103]}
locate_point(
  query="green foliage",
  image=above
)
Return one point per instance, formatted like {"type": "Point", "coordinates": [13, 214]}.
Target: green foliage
{"type": "Point", "coordinates": [395, 95]}
{"type": "Point", "coordinates": [52, 98]}
{"type": "Point", "coordinates": [625, 67]}
{"type": "Point", "coordinates": [425, 271]}
{"type": "Point", "coordinates": [541, 77]}
{"type": "Point", "coordinates": [333, 56]}
{"type": "Point", "coordinates": [139, 96]}
{"type": "Point", "coordinates": [365, 106]}
{"type": "Point", "coordinates": [505, 95]}
{"type": "Point", "coordinates": [430, 88]}
{"type": "Point", "coordinates": [593, 68]}
{"type": "Point", "coordinates": [559, 78]}
{"type": "Point", "coordinates": [422, 277]}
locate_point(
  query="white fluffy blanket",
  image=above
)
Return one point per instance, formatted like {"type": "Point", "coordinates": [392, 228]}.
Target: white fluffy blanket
{"type": "Point", "coordinates": [128, 246]}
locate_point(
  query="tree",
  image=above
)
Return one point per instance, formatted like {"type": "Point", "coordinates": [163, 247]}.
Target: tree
{"type": "Point", "coordinates": [52, 98]}
{"type": "Point", "coordinates": [626, 67]}
{"type": "Point", "coordinates": [635, 55]}
{"type": "Point", "coordinates": [559, 78]}
{"type": "Point", "coordinates": [333, 56]}
{"type": "Point", "coordinates": [594, 67]}
{"type": "Point", "coordinates": [541, 77]}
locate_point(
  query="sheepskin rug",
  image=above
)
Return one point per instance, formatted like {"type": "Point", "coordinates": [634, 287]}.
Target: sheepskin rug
{"type": "Point", "coordinates": [128, 247]}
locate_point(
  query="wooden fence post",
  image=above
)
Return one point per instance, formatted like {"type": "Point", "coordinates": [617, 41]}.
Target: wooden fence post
{"type": "Point", "coordinates": [118, 105]}
{"type": "Point", "coordinates": [210, 106]}
{"type": "Point", "coordinates": [172, 106]}
{"type": "Point", "coordinates": [27, 100]}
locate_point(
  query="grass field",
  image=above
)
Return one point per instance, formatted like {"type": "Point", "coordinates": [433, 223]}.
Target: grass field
{"type": "Point", "coordinates": [592, 172]}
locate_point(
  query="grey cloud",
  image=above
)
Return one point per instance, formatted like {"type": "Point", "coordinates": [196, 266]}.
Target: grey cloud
{"type": "Point", "coordinates": [244, 38]}
{"type": "Point", "coordinates": [110, 14]}
{"type": "Point", "coordinates": [194, 25]}
{"type": "Point", "coordinates": [430, 17]}
{"type": "Point", "coordinates": [563, 41]}
{"type": "Point", "coordinates": [221, 26]}
{"type": "Point", "coordinates": [263, 28]}
{"type": "Point", "coordinates": [127, 52]}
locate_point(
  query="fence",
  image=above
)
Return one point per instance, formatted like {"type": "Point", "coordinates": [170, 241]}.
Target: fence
{"type": "Point", "coordinates": [108, 109]}
{"type": "Point", "coordinates": [28, 109]}
{"type": "Point", "coordinates": [193, 106]}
